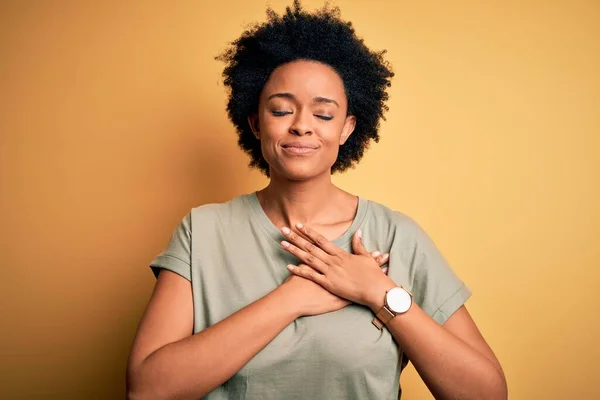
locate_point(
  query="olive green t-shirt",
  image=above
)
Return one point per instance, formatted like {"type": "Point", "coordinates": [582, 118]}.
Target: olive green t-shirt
{"type": "Point", "coordinates": [231, 254]}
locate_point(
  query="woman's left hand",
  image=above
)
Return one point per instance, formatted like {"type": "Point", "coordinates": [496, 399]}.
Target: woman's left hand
{"type": "Point", "coordinates": [357, 277]}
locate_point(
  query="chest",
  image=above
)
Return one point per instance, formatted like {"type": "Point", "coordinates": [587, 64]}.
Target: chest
{"type": "Point", "coordinates": [232, 269]}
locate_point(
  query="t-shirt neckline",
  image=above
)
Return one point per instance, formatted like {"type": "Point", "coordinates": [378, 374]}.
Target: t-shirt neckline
{"type": "Point", "coordinates": [273, 232]}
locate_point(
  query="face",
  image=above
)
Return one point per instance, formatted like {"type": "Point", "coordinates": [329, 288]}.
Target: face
{"type": "Point", "coordinates": [302, 120]}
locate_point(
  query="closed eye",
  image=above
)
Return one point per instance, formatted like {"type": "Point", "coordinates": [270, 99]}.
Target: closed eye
{"type": "Point", "coordinates": [278, 113]}
{"type": "Point", "coordinates": [324, 117]}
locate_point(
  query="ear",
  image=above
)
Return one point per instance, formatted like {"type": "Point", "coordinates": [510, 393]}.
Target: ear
{"type": "Point", "coordinates": [348, 128]}
{"type": "Point", "coordinates": [253, 122]}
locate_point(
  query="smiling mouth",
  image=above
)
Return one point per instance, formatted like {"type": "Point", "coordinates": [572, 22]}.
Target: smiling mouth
{"type": "Point", "coordinates": [299, 148]}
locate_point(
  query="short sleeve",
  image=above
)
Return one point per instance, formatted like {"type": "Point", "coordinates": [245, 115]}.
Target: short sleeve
{"type": "Point", "coordinates": [436, 288]}
{"type": "Point", "coordinates": [176, 257]}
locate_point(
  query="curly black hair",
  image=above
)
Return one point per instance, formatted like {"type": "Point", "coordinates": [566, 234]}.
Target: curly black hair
{"type": "Point", "coordinates": [298, 35]}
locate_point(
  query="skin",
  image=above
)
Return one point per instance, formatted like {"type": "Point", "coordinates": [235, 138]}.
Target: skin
{"type": "Point", "coordinates": [302, 104]}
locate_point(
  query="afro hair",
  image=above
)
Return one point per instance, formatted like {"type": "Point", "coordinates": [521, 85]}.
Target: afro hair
{"type": "Point", "coordinates": [298, 35]}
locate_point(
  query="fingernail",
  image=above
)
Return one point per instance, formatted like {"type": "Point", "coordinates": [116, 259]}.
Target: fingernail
{"type": "Point", "coordinates": [285, 244]}
{"type": "Point", "coordinates": [285, 230]}
{"type": "Point", "coordinates": [376, 253]}
{"type": "Point", "coordinates": [359, 234]}
{"type": "Point", "coordinates": [299, 225]}
{"type": "Point", "coordinates": [290, 267]}
{"type": "Point", "coordinates": [386, 255]}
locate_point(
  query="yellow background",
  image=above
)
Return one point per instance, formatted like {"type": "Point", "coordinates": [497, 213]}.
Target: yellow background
{"type": "Point", "coordinates": [112, 126]}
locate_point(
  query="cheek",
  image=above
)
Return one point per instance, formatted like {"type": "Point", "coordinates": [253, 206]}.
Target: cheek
{"type": "Point", "coordinates": [331, 146]}
{"type": "Point", "coordinates": [331, 136]}
{"type": "Point", "coordinates": [334, 152]}
{"type": "Point", "coordinates": [273, 130]}
{"type": "Point", "coordinates": [268, 142]}
{"type": "Point", "coordinates": [267, 148]}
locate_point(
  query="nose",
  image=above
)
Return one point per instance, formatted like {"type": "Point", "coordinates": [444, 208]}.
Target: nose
{"type": "Point", "coordinates": [301, 125]}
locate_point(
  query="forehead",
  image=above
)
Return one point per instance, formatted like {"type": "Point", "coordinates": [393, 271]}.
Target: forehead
{"type": "Point", "coordinates": [306, 79]}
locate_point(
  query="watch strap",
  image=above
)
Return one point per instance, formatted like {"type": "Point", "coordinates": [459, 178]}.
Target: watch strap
{"type": "Point", "coordinates": [383, 317]}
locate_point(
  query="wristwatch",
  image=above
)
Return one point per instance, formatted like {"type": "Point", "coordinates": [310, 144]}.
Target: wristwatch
{"type": "Point", "coordinates": [397, 301]}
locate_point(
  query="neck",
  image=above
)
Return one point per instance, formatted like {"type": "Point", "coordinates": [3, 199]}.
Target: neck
{"type": "Point", "coordinates": [288, 202]}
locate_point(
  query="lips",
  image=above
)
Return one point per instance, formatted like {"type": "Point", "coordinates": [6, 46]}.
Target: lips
{"type": "Point", "coordinates": [299, 145]}
{"type": "Point", "coordinates": [299, 148]}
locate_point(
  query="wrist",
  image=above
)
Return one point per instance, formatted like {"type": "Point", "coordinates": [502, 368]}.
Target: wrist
{"type": "Point", "coordinates": [285, 300]}
{"type": "Point", "coordinates": [397, 300]}
{"type": "Point", "coordinates": [376, 297]}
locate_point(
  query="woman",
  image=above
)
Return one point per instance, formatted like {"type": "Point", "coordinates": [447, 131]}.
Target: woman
{"type": "Point", "coordinates": [228, 320]}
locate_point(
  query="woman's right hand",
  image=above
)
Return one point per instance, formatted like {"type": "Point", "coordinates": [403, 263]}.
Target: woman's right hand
{"type": "Point", "coordinates": [312, 299]}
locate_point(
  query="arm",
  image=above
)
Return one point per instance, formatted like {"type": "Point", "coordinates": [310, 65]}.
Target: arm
{"type": "Point", "coordinates": [167, 361]}
{"type": "Point", "coordinates": [453, 360]}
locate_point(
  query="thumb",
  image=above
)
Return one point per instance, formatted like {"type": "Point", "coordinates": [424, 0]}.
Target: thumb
{"type": "Point", "coordinates": [357, 244]}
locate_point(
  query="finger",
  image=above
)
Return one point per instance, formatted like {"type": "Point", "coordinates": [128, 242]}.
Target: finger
{"type": "Point", "coordinates": [305, 257]}
{"type": "Point", "coordinates": [301, 234]}
{"type": "Point", "coordinates": [382, 260]}
{"type": "Point", "coordinates": [375, 254]}
{"type": "Point", "coordinates": [320, 240]}
{"type": "Point", "coordinates": [309, 273]}
{"type": "Point", "coordinates": [357, 244]}
{"type": "Point", "coordinates": [304, 244]}
{"type": "Point", "coordinates": [385, 270]}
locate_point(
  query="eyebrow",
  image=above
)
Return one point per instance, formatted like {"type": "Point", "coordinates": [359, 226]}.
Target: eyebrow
{"type": "Point", "coordinates": [318, 99]}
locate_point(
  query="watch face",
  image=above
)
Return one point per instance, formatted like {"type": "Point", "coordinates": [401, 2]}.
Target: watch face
{"type": "Point", "coordinates": [398, 300]}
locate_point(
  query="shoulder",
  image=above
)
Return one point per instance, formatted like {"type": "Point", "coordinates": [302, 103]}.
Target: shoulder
{"type": "Point", "coordinates": [213, 212]}
{"type": "Point", "coordinates": [402, 224]}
